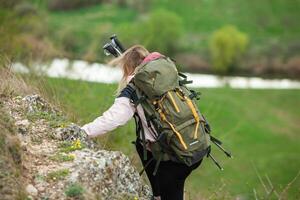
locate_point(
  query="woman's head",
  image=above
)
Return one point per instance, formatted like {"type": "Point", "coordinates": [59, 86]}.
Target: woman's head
{"type": "Point", "coordinates": [130, 59]}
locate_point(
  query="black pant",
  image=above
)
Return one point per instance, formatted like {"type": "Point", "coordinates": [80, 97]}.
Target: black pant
{"type": "Point", "coordinates": [170, 177]}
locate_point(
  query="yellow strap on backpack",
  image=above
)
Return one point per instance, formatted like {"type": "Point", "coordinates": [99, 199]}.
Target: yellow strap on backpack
{"type": "Point", "coordinates": [195, 114]}
{"type": "Point", "coordinates": [193, 109]}
{"type": "Point", "coordinates": [173, 102]}
{"type": "Point", "coordinates": [164, 118]}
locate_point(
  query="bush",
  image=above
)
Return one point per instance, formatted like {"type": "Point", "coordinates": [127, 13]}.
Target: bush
{"type": "Point", "coordinates": [56, 5]}
{"type": "Point", "coordinates": [227, 45]}
{"type": "Point", "coordinates": [9, 4]}
{"type": "Point", "coordinates": [25, 8]}
{"type": "Point", "coordinates": [25, 34]}
{"type": "Point", "coordinates": [74, 190]}
{"type": "Point", "coordinates": [158, 32]}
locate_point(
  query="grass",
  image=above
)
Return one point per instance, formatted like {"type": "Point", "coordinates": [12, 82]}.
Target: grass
{"type": "Point", "coordinates": [60, 157]}
{"type": "Point", "coordinates": [74, 190]}
{"type": "Point", "coordinates": [58, 174]}
{"type": "Point", "coordinates": [260, 127]}
{"type": "Point", "coordinates": [67, 146]}
{"type": "Point", "coordinates": [261, 19]}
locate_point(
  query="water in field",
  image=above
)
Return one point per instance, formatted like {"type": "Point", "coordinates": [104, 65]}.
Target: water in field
{"type": "Point", "coordinates": [95, 72]}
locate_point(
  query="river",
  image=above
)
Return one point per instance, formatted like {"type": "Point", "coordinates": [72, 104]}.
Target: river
{"type": "Point", "coordinates": [96, 72]}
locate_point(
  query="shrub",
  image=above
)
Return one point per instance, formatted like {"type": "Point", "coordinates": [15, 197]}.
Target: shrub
{"type": "Point", "coordinates": [74, 190]}
{"type": "Point", "coordinates": [160, 31]}
{"type": "Point", "coordinates": [293, 67]}
{"type": "Point", "coordinates": [226, 47]}
{"type": "Point", "coordinates": [70, 4]}
{"type": "Point", "coordinates": [25, 8]}
{"type": "Point", "coordinates": [10, 3]}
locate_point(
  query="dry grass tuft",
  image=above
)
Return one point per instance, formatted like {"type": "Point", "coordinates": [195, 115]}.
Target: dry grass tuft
{"type": "Point", "coordinates": [269, 191]}
{"type": "Point", "coordinates": [12, 84]}
{"type": "Point", "coordinates": [11, 186]}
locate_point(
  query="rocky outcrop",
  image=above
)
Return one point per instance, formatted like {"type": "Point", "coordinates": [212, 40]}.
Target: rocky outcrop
{"type": "Point", "coordinates": [62, 168]}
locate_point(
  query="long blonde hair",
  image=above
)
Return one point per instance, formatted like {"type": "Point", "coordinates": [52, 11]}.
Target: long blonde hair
{"type": "Point", "coordinates": [128, 61]}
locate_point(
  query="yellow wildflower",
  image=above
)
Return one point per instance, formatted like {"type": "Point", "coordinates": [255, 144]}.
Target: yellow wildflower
{"type": "Point", "coordinates": [72, 156]}
{"type": "Point", "coordinates": [77, 144]}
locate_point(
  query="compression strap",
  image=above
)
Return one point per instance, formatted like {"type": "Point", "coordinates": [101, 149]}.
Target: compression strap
{"type": "Point", "coordinates": [173, 102]}
{"type": "Point", "coordinates": [192, 108]}
{"type": "Point", "coordinates": [164, 118]}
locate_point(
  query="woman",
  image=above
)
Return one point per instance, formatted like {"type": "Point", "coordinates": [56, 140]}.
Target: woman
{"type": "Point", "coordinates": [168, 183]}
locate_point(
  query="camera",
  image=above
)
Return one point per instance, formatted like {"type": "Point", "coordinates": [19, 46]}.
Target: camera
{"type": "Point", "coordinates": [114, 47]}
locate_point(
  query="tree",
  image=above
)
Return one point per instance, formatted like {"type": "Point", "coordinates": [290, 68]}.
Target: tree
{"type": "Point", "coordinates": [227, 45]}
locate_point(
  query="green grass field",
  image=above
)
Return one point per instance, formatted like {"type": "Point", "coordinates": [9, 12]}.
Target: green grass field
{"type": "Point", "coordinates": [261, 19]}
{"type": "Point", "coordinates": [260, 127]}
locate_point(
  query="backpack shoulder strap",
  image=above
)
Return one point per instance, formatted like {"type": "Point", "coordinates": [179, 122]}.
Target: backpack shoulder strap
{"type": "Point", "coordinates": [130, 91]}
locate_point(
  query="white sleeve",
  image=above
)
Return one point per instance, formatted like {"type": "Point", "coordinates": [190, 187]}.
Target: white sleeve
{"type": "Point", "coordinates": [118, 114]}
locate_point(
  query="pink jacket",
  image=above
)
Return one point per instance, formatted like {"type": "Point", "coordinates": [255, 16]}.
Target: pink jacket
{"type": "Point", "coordinates": [120, 113]}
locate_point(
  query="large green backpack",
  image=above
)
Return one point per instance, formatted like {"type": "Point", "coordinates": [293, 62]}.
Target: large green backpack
{"type": "Point", "coordinates": [182, 133]}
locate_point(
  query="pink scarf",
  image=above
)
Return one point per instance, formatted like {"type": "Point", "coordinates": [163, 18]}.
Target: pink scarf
{"type": "Point", "coordinates": [152, 56]}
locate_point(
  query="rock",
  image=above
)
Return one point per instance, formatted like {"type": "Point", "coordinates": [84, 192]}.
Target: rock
{"type": "Point", "coordinates": [41, 189]}
{"type": "Point", "coordinates": [22, 126]}
{"type": "Point", "coordinates": [73, 132]}
{"type": "Point", "coordinates": [31, 190]}
{"type": "Point", "coordinates": [36, 103]}
{"type": "Point", "coordinates": [108, 173]}
{"type": "Point", "coordinates": [24, 122]}
{"type": "Point", "coordinates": [100, 173]}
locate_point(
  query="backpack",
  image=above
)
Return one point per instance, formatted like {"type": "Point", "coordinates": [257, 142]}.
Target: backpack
{"type": "Point", "coordinates": [181, 132]}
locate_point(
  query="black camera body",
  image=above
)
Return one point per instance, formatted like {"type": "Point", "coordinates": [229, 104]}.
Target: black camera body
{"type": "Point", "coordinates": [114, 47]}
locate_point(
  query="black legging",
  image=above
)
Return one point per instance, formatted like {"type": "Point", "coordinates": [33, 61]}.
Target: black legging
{"type": "Point", "coordinates": [170, 177]}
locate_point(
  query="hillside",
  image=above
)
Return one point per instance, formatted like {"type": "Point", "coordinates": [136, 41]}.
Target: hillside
{"type": "Point", "coordinates": [44, 30]}
{"type": "Point", "coordinates": [260, 127]}
{"type": "Point", "coordinates": [39, 159]}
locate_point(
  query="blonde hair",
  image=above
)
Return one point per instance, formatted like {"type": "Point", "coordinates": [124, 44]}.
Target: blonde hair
{"type": "Point", "coordinates": [128, 61]}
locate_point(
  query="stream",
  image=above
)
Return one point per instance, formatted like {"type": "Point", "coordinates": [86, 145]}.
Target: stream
{"type": "Point", "coordinates": [96, 72]}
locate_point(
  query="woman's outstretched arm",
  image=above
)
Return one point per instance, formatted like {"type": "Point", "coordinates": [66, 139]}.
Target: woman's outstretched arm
{"type": "Point", "coordinates": [118, 114]}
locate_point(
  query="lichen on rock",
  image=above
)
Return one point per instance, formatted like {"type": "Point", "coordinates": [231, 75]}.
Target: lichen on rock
{"type": "Point", "coordinates": [46, 134]}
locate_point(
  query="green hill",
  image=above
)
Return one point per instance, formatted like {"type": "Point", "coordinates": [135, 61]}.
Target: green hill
{"type": "Point", "coordinates": [264, 21]}
{"type": "Point", "coordinates": [183, 30]}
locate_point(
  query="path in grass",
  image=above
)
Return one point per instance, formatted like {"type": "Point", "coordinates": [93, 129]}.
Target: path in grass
{"type": "Point", "coordinates": [261, 127]}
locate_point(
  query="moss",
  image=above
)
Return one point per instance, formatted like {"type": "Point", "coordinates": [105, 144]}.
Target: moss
{"type": "Point", "coordinates": [58, 175]}
{"type": "Point", "coordinates": [59, 121]}
{"type": "Point", "coordinates": [75, 190]}
{"type": "Point", "coordinates": [67, 147]}
{"type": "Point", "coordinates": [55, 119]}
{"type": "Point", "coordinates": [60, 157]}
